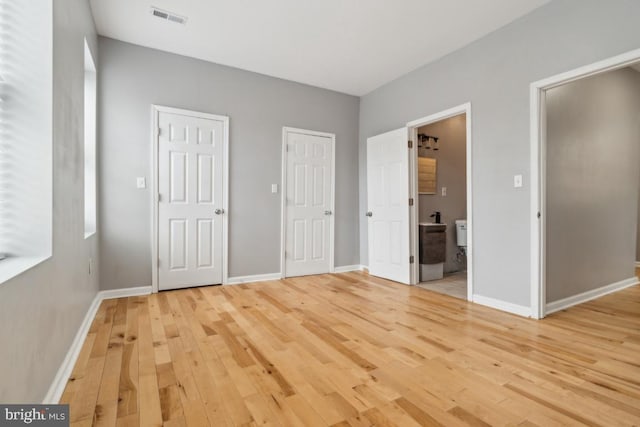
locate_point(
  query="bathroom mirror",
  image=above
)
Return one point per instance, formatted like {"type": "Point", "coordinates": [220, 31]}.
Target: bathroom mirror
{"type": "Point", "coordinates": [426, 175]}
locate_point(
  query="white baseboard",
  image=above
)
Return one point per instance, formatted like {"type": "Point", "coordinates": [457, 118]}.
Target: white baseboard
{"type": "Point", "coordinates": [552, 307]}
{"type": "Point", "coordinates": [255, 278]}
{"type": "Point", "coordinates": [520, 310]}
{"type": "Point", "coordinates": [347, 268]}
{"type": "Point", "coordinates": [125, 292]}
{"type": "Point", "coordinates": [64, 372]}
{"type": "Point", "coordinates": [277, 276]}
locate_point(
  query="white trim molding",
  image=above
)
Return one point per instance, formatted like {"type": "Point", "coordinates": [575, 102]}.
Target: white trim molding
{"type": "Point", "coordinates": [413, 133]}
{"type": "Point", "coordinates": [125, 292]}
{"type": "Point", "coordinates": [520, 310]}
{"type": "Point", "coordinates": [561, 304]}
{"type": "Point", "coordinates": [64, 372]}
{"type": "Point", "coordinates": [155, 112]}
{"type": "Point", "coordinates": [238, 280]}
{"type": "Point", "coordinates": [348, 268]}
{"type": "Point", "coordinates": [537, 119]}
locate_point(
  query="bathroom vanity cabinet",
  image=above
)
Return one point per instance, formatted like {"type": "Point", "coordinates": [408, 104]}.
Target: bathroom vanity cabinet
{"type": "Point", "coordinates": [433, 243]}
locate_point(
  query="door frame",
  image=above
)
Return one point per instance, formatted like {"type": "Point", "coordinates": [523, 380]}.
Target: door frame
{"type": "Point", "coordinates": [538, 145]}
{"type": "Point", "coordinates": [283, 197]}
{"type": "Point", "coordinates": [413, 179]}
{"type": "Point", "coordinates": [153, 186]}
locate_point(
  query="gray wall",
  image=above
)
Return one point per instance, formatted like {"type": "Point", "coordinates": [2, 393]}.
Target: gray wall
{"type": "Point", "coordinates": [593, 148]}
{"type": "Point", "coordinates": [451, 173]}
{"type": "Point", "coordinates": [494, 73]}
{"type": "Point", "coordinates": [134, 77]}
{"type": "Point", "coordinates": [42, 309]}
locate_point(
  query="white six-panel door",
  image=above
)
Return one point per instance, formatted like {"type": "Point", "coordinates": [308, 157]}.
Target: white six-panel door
{"type": "Point", "coordinates": [308, 203]}
{"type": "Point", "coordinates": [388, 199]}
{"type": "Point", "coordinates": [190, 200]}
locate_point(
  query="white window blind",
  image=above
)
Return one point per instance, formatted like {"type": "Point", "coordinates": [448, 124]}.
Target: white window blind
{"type": "Point", "coordinates": [90, 92]}
{"type": "Point", "coordinates": [25, 130]}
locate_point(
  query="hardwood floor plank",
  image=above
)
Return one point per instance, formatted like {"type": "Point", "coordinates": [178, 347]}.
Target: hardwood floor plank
{"type": "Point", "coordinates": [79, 371]}
{"type": "Point", "coordinates": [128, 386]}
{"type": "Point", "coordinates": [87, 388]}
{"type": "Point", "coordinates": [353, 350]}
{"type": "Point", "coordinates": [106, 411]}
{"type": "Point", "coordinates": [416, 413]}
{"type": "Point", "coordinates": [149, 394]}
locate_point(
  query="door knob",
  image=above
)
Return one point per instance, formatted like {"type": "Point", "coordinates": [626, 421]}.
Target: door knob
{"type": "Point", "coordinates": [328, 212]}
{"type": "Point", "coordinates": [369, 214]}
{"type": "Point", "coordinates": [219, 211]}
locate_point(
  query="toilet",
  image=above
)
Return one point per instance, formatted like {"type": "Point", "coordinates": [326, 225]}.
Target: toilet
{"type": "Point", "coordinates": [461, 235]}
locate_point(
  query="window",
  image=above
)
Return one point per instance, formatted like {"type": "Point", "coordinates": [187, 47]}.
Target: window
{"type": "Point", "coordinates": [25, 134]}
{"type": "Point", "coordinates": [90, 92]}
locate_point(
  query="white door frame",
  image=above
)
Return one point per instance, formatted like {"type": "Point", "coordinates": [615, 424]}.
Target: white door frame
{"type": "Point", "coordinates": [538, 146]}
{"type": "Point", "coordinates": [153, 186]}
{"type": "Point", "coordinates": [283, 192]}
{"type": "Point", "coordinates": [413, 162]}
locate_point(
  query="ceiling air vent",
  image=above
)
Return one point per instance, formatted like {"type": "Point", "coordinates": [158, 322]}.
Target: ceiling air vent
{"type": "Point", "coordinates": [168, 16]}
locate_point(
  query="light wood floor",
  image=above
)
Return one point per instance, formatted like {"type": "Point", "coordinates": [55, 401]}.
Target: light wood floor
{"type": "Point", "coordinates": [352, 350]}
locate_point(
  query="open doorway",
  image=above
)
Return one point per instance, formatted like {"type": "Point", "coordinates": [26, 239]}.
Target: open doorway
{"type": "Point", "coordinates": [393, 209]}
{"type": "Point", "coordinates": [585, 183]}
{"type": "Point", "coordinates": [442, 213]}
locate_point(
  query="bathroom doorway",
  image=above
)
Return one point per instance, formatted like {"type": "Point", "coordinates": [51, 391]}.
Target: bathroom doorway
{"type": "Point", "coordinates": [442, 220]}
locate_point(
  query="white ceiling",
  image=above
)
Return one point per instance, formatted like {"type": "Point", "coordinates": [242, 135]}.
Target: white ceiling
{"type": "Point", "coordinates": [351, 46]}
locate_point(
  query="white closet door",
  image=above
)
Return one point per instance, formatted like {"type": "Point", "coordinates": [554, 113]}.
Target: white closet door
{"type": "Point", "coordinates": [308, 203]}
{"type": "Point", "coordinates": [190, 167]}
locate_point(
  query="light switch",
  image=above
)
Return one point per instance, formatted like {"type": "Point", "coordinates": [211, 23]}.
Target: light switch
{"type": "Point", "coordinates": [274, 188]}
{"type": "Point", "coordinates": [444, 191]}
{"type": "Point", "coordinates": [517, 181]}
{"type": "Point", "coordinates": [141, 182]}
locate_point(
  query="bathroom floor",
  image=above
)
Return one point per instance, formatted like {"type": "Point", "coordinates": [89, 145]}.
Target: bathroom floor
{"type": "Point", "coordinates": [452, 284]}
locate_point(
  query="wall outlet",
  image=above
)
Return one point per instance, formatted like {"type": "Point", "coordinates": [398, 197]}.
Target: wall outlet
{"type": "Point", "coordinates": [517, 181]}
{"type": "Point", "coordinates": [274, 188]}
{"type": "Point", "coordinates": [444, 191]}
{"type": "Point", "coordinates": [141, 182]}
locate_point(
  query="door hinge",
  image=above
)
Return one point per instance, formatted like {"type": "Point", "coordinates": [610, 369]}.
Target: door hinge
{"type": "Point", "coordinates": [410, 144]}
{"type": "Point", "coordinates": [411, 201]}
{"type": "Point", "coordinates": [538, 214]}
{"type": "Point", "coordinates": [159, 131]}
{"type": "Point", "coordinates": [158, 263]}
{"type": "Point", "coordinates": [159, 197]}
{"type": "Point", "coordinates": [411, 259]}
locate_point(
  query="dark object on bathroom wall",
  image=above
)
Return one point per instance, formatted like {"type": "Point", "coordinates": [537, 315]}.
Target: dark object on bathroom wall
{"type": "Point", "coordinates": [423, 141]}
{"type": "Point", "coordinates": [436, 214]}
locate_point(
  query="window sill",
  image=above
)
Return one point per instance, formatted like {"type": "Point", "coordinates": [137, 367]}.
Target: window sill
{"type": "Point", "coordinates": [14, 266]}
